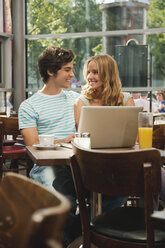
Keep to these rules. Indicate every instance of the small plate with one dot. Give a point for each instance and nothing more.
(42, 147)
(66, 145)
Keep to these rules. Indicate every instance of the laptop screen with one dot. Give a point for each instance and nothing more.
(110, 126)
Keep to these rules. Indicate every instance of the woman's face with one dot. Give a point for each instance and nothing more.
(159, 97)
(93, 76)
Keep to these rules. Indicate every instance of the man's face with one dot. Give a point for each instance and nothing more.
(64, 75)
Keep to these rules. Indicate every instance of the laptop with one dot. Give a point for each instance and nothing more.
(110, 126)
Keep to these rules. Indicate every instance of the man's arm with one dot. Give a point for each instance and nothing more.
(30, 136)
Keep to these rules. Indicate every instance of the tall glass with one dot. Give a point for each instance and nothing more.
(145, 129)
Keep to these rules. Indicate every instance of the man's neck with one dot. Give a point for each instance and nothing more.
(50, 89)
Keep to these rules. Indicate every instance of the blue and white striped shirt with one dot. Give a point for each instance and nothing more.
(51, 114)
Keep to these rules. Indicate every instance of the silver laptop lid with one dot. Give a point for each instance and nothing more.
(110, 126)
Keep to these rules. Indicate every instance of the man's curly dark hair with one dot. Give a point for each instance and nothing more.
(52, 59)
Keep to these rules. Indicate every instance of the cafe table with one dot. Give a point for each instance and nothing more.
(62, 155)
(55, 157)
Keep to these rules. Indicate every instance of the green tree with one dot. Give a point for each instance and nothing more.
(156, 19)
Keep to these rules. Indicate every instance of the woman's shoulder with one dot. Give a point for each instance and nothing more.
(84, 100)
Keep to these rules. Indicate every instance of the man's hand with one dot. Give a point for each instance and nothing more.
(30, 136)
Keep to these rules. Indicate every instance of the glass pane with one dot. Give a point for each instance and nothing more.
(6, 101)
(0, 66)
(71, 16)
(56, 16)
(82, 48)
(157, 48)
(134, 61)
(122, 15)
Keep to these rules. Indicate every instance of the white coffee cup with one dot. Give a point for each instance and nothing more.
(46, 139)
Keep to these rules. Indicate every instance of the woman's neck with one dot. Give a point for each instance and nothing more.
(96, 102)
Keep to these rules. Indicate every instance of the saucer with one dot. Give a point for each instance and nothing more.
(66, 145)
(42, 147)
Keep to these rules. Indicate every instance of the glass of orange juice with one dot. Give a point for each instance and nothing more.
(145, 129)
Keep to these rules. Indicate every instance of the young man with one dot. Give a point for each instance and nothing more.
(51, 111)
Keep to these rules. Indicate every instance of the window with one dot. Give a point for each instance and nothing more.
(91, 27)
(5, 54)
(0, 66)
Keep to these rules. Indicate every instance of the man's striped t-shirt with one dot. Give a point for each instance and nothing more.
(51, 114)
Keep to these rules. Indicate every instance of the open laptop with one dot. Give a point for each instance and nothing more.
(110, 126)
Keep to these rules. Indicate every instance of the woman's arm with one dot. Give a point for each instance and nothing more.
(77, 110)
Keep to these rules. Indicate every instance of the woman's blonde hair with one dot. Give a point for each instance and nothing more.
(109, 75)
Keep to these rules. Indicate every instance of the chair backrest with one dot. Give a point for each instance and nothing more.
(2, 113)
(1, 137)
(30, 214)
(118, 172)
(158, 220)
(10, 126)
(159, 136)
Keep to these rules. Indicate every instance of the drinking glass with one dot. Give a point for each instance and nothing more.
(145, 129)
(83, 139)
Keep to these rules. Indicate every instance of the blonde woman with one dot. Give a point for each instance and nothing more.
(103, 87)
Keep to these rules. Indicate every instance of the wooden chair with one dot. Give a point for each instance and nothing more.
(158, 220)
(3, 113)
(159, 136)
(12, 152)
(159, 118)
(118, 173)
(13, 114)
(31, 216)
